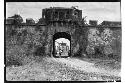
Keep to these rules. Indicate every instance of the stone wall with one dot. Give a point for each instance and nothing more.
(105, 42)
(84, 40)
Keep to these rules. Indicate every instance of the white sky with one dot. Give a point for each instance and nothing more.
(100, 11)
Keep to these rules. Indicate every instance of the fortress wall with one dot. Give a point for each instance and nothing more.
(81, 43)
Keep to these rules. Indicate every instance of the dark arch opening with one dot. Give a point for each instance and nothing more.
(61, 45)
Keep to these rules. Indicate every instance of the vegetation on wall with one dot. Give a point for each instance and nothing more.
(103, 43)
(25, 41)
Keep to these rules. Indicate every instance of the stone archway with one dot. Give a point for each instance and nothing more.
(61, 45)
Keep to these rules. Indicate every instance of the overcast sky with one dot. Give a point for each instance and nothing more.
(100, 11)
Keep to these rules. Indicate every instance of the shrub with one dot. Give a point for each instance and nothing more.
(101, 43)
(18, 61)
(15, 55)
(13, 60)
(90, 50)
(40, 51)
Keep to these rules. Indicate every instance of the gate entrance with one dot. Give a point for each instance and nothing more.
(61, 45)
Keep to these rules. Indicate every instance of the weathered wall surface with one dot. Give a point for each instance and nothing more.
(105, 43)
(41, 35)
(24, 41)
(90, 41)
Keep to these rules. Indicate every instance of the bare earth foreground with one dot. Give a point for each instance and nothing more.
(61, 69)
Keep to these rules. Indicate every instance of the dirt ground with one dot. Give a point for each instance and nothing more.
(62, 69)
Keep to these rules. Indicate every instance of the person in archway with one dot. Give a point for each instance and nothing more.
(59, 51)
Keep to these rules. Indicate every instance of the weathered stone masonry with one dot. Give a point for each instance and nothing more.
(69, 22)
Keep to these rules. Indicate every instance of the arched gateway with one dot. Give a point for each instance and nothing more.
(61, 45)
(61, 25)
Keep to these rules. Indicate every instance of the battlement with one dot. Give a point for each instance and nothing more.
(61, 14)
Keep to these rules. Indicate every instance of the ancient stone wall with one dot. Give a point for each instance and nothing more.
(84, 40)
(104, 43)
